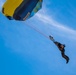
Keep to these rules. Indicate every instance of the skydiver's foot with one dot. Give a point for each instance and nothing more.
(67, 60)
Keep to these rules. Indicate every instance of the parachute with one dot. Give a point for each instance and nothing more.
(21, 9)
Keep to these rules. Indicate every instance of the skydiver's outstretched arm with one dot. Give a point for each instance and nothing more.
(51, 38)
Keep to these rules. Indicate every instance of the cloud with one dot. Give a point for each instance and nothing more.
(57, 26)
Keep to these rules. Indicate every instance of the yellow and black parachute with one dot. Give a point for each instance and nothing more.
(21, 9)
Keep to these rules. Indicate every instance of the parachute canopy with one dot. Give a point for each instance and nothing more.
(21, 9)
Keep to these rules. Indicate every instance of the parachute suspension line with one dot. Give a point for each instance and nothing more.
(33, 27)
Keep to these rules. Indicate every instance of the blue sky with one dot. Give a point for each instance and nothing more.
(24, 51)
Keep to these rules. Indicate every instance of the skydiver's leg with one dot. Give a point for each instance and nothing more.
(65, 56)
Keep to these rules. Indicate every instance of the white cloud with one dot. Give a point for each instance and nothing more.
(57, 26)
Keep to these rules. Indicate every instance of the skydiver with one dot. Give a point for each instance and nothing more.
(61, 48)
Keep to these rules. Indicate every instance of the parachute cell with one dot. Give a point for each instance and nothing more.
(21, 9)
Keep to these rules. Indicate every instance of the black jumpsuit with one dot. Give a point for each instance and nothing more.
(62, 51)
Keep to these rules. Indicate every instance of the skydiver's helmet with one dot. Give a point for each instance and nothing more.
(64, 45)
(61, 46)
